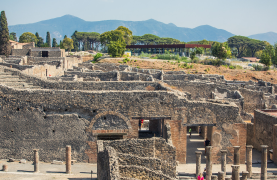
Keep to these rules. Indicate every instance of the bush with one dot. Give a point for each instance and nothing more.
(97, 56)
(126, 60)
(257, 67)
(232, 67)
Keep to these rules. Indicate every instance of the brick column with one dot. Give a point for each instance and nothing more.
(249, 160)
(235, 172)
(198, 162)
(214, 177)
(264, 162)
(223, 160)
(221, 175)
(68, 159)
(5, 168)
(236, 155)
(209, 162)
(36, 161)
(244, 175)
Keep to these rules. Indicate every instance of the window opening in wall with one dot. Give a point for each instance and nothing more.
(150, 128)
(109, 137)
(44, 53)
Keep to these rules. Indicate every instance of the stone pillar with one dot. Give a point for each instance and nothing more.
(236, 155)
(244, 175)
(36, 161)
(235, 172)
(264, 162)
(223, 160)
(221, 175)
(198, 162)
(68, 159)
(214, 177)
(5, 168)
(209, 163)
(249, 160)
(275, 144)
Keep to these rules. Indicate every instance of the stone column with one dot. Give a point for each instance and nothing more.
(223, 160)
(249, 160)
(235, 172)
(209, 163)
(5, 168)
(244, 175)
(221, 175)
(214, 177)
(198, 162)
(236, 155)
(68, 159)
(264, 162)
(36, 161)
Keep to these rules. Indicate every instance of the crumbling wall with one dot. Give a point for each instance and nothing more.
(142, 158)
(263, 129)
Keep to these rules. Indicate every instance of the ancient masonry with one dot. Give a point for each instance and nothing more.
(92, 102)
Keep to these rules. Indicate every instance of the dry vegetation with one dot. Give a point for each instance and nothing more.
(229, 74)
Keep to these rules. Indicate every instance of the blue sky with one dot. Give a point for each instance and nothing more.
(240, 17)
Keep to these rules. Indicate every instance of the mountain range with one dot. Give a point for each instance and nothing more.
(66, 25)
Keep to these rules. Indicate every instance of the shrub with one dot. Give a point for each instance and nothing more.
(126, 60)
(97, 56)
(257, 67)
(232, 67)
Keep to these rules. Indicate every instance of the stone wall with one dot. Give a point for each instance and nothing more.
(139, 159)
(263, 129)
(20, 52)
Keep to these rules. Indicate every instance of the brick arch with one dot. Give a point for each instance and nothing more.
(199, 115)
(106, 113)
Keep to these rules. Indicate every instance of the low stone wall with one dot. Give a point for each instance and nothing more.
(137, 158)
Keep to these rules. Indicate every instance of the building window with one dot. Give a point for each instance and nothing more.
(44, 53)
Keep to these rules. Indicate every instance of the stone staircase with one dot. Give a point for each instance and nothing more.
(13, 81)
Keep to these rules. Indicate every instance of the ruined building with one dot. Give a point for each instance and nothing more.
(88, 103)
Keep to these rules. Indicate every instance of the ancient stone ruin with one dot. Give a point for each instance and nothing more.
(88, 104)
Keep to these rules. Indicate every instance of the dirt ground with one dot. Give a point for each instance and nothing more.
(229, 74)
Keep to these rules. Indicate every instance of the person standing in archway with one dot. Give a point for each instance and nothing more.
(190, 132)
(207, 143)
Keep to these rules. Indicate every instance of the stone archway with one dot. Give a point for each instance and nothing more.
(110, 120)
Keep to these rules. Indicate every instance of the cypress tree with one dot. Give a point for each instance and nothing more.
(39, 40)
(75, 42)
(48, 39)
(5, 46)
(54, 42)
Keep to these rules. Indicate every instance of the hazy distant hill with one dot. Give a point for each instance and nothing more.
(270, 37)
(66, 25)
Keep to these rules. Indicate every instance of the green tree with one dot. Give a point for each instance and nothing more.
(116, 48)
(240, 43)
(39, 40)
(13, 36)
(127, 34)
(5, 46)
(27, 37)
(68, 44)
(221, 50)
(274, 58)
(48, 39)
(54, 42)
(268, 55)
(75, 41)
(255, 45)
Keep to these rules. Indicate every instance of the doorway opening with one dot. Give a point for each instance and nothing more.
(44, 53)
(195, 141)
